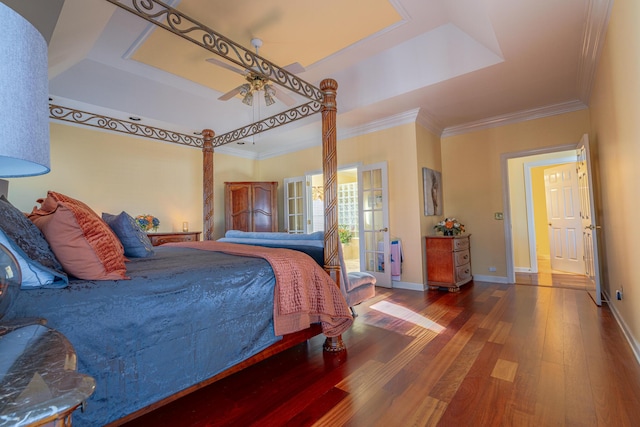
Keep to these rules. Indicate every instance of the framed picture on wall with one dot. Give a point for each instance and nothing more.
(432, 184)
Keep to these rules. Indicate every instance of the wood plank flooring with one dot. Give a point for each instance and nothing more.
(548, 277)
(490, 355)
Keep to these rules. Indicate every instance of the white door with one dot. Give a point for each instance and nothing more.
(295, 199)
(563, 217)
(375, 248)
(589, 224)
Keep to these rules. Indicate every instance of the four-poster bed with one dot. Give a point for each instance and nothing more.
(322, 100)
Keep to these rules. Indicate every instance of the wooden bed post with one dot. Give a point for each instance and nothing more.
(207, 184)
(330, 173)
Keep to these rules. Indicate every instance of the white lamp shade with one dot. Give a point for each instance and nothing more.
(24, 92)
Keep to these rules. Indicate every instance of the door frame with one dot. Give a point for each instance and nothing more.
(506, 198)
(533, 259)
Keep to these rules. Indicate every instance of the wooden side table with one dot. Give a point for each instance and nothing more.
(448, 262)
(158, 239)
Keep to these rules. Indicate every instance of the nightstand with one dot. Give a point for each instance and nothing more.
(158, 239)
(448, 262)
(39, 381)
(40, 384)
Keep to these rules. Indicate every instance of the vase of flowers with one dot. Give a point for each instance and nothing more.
(147, 222)
(449, 227)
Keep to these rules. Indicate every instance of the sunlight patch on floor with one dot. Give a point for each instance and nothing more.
(407, 315)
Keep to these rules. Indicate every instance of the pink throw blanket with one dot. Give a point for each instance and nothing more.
(304, 292)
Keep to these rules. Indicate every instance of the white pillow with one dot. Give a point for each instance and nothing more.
(33, 277)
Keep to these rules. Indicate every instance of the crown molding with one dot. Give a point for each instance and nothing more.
(236, 152)
(379, 124)
(519, 116)
(595, 29)
(428, 122)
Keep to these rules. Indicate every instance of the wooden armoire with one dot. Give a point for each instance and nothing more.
(251, 206)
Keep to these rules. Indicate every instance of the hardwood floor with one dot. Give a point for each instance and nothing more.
(490, 355)
(548, 277)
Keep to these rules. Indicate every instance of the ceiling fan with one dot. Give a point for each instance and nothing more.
(256, 82)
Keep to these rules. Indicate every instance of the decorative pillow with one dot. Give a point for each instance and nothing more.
(28, 237)
(135, 241)
(34, 275)
(83, 243)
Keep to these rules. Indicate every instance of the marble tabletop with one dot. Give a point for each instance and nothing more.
(38, 378)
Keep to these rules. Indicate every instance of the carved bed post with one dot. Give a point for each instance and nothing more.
(207, 184)
(329, 171)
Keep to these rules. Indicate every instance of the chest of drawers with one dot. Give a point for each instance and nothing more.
(448, 262)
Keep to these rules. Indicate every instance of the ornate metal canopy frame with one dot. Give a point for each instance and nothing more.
(131, 128)
(321, 100)
(164, 16)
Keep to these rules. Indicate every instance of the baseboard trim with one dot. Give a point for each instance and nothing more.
(635, 346)
(492, 279)
(409, 285)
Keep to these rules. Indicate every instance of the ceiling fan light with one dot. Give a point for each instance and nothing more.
(248, 99)
(244, 89)
(269, 89)
(268, 99)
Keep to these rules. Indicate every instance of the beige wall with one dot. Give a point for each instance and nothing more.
(472, 178)
(615, 109)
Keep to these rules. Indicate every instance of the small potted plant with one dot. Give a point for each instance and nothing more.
(345, 234)
(449, 227)
(147, 222)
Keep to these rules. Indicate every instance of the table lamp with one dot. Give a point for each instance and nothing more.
(24, 118)
(24, 87)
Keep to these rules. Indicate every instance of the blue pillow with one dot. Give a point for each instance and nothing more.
(136, 243)
(26, 236)
(34, 275)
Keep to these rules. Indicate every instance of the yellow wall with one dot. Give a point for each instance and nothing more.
(519, 217)
(396, 146)
(429, 156)
(112, 172)
(615, 109)
(472, 178)
(540, 212)
(226, 169)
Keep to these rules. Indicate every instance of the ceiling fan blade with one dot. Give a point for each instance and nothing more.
(295, 68)
(286, 99)
(233, 92)
(220, 63)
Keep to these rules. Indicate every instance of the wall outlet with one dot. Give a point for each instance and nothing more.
(499, 216)
(492, 269)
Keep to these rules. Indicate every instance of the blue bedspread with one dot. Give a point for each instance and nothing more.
(184, 316)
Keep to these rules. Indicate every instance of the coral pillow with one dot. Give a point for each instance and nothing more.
(83, 243)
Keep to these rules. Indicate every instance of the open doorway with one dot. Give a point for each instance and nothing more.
(348, 213)
(545, 220)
